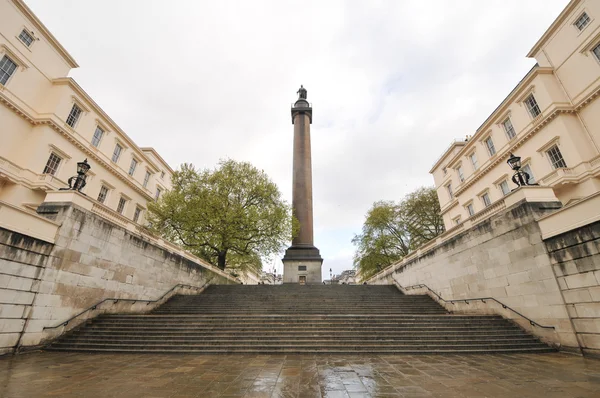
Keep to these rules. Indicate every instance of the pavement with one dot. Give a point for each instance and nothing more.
(57, 374)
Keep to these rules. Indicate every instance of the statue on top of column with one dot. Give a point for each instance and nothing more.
(301, 92)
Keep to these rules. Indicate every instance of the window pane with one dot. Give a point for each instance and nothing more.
(73, 115)
(146, 179)
(532, 106)
(582, 21)
(132, 166)
(449, 188)
(26, 38)
(490, 146)
(504, 187)
(158, 191)
(121, 205)
(7, 68)
(117, 153)
(103, 194)
(470, 209)
(474, 161)
(136, 215)
(52, 164)
(97, 136)
(556, 158)
(509, 129)
(461, 176)
(486, 199)
(596, 51)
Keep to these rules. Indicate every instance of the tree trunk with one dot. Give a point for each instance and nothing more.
(221, 262)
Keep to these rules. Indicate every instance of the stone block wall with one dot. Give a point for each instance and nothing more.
(22, 261)
(575, 256)
(43, 284)
(502, 257)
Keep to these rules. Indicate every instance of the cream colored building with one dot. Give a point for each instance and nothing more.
(551, 119)
(48, 123)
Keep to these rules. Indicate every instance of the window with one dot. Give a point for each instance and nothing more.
(7, 68)
(509, 129)
(449, 189)
(52, 164)
(532, 106)
(527, 169)
(461, 175)
(556, 158)
(490, 146)
(470, 209)
(158, 192)
(121, 205)
(103, 194)
(444, 170)
(473, 158)
(302, 268)
(582, 21)
(504, 187)
(456, 220)
(146, 178)
(162, 174)
(73, 115)
(485, 198)
(132, 166)
(97, 136)
(136, 215)
(596, 52)
(117, 153)
(26, 38)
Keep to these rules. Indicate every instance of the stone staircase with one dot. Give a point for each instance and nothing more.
(344, 319)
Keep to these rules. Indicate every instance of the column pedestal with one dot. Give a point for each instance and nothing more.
(302, 264)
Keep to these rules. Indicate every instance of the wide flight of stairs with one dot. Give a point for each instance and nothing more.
(345, 319)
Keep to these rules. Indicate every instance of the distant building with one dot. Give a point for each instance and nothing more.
(551, 119)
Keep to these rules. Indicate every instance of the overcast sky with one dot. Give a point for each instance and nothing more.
(392, 83)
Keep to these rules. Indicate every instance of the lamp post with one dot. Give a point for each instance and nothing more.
(520, 178)
(274, 275)
(330, 277)
(76, 183)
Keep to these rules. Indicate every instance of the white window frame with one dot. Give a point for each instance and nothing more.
(123, 200)
(596, 52)
(500, 187)
(75, 119)
(456, 220)
(105, 196)
(137, 213)
(508, 130)
(473, 160)
(553, 163)
(162, 175)
(146, 178)
(531, 108)
(490, 147)
(6, 72)
(28, 33)
(102, 132)
(460, 173)
(587, 21)
(58, 164)
(133, 166)
(118, 155)
(470, 209)
(488, 202)
(449, 190)
(159, 192)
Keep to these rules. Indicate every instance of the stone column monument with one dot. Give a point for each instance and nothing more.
(302, 261)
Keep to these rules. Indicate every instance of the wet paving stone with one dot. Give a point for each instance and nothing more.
(50, 374)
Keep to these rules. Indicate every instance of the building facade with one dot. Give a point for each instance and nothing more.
(48, 123)
(551, 119)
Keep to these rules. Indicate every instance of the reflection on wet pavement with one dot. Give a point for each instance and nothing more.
(119, 375)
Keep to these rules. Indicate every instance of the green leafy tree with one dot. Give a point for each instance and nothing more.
(392, 230)
(232, 215)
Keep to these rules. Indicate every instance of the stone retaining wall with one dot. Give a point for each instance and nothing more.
(575, 256)
(43, 284)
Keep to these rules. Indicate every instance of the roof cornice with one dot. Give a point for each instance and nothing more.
(160, 158)
(446, 153)
(42, 28)
(112, 124)
(553, 28)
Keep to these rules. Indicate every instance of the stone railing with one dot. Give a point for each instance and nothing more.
(28, 178)
(27, 223)
(572, 174)
(108, 214)
(529, 194)
(578, 214)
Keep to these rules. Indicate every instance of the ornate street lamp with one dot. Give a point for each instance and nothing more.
(520, 178)
(274, 275)
(77, 183)
(330, 277)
